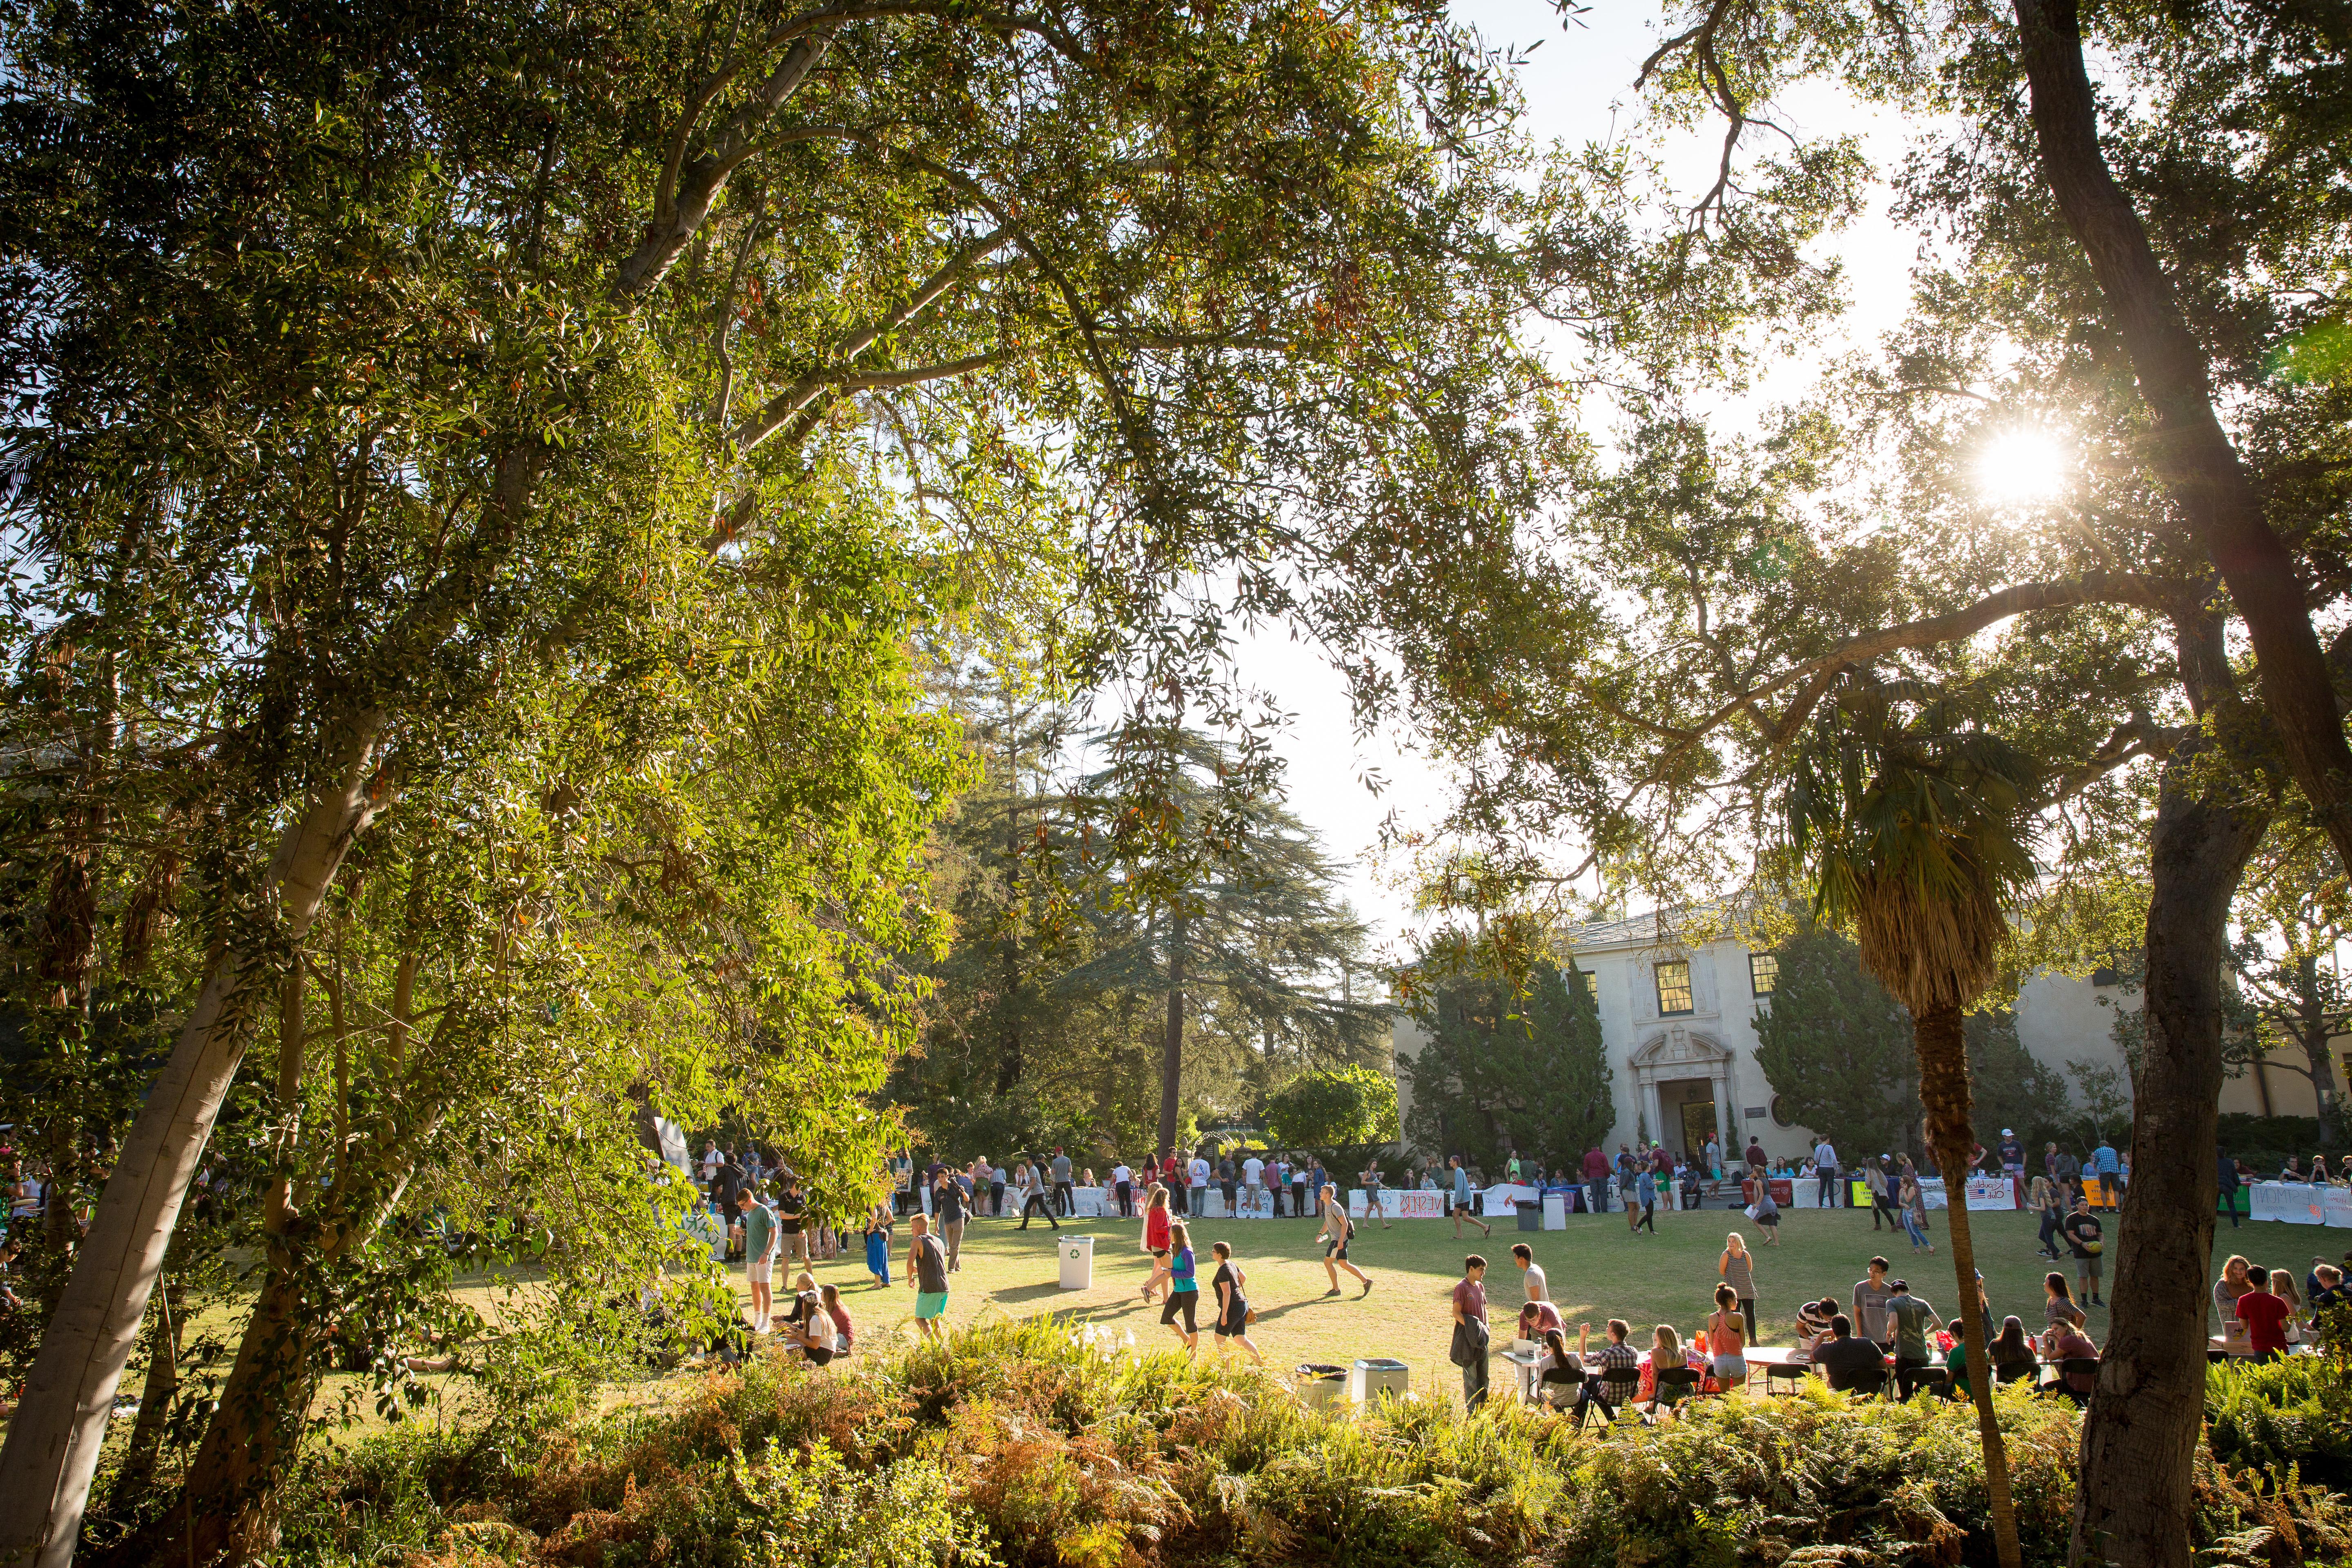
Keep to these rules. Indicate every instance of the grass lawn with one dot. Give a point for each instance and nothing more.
(1596, 1272)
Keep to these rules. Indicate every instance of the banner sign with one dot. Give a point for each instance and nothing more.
(2296, 1203)
(2335, 1207)
(1991, 1193)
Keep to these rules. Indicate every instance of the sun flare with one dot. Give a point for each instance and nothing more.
(2021, 466)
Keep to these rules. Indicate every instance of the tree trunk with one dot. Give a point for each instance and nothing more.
(2139, 1443)
(155, 1399)
(1171, 1046)
(53, 1442)
(1941, 1041)
(2192, 453)
(251, 1444)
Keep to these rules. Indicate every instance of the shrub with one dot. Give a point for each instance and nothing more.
(1031, 1445)
(2294, 1412)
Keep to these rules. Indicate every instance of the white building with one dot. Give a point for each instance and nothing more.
(1677, 1021)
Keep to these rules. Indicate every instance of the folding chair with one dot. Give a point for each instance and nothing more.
(1682, 1380)
(2018, 1371)
(1868, 1382)
(2077, 1366)
(1936, 1380)
(1794, 1374)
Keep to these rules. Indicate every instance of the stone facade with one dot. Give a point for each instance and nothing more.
(1682, 1040)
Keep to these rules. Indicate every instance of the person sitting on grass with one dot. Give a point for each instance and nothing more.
(1183, 1289)
(1232, 1307)
(1842, 1358)
(1336, 1231)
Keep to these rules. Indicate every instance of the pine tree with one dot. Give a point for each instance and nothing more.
(1836, 1047)
(1500, 1072)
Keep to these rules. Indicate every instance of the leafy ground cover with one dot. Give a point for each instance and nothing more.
(1040, 1442)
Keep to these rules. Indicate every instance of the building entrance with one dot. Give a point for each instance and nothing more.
(1698, 1124)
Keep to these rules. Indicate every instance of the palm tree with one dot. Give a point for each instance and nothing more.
(1910, 818)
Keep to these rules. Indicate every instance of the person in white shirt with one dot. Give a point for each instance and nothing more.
(1122, 1181)
(1252, 1180)
(1524, 1255)
(711, 1160)
(1825, 1170)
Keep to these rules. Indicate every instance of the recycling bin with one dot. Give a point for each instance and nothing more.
(1077, 1262)
(1374, 1376)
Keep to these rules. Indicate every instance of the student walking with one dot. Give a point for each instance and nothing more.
(2042, 1196)
(927, 1275)
(1461, 1200)
(1033, 1198)
(1232, 1307)
(948, 1205)
(1738, 1269)
(1645, 1188)
(1337, 1230)
(1912, 1204)
(1184, 1287)
(1472, 1341)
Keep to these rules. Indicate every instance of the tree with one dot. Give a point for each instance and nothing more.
(367, 375)
(1912, 825)
(1505, 1069)
(1836, 1047)
(2288, 979)
(2012, 1087)
(1334, 1109)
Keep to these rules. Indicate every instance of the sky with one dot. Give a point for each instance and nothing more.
(1577, 86)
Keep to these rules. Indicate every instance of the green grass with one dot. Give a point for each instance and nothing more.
(1596, 1272)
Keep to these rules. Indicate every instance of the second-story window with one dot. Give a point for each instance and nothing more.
(1674, 988)
(1763, 974)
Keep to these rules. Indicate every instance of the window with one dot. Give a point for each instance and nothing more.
(1781, 1117)
(1674, 988)
(1763, 974)
(1592, 987)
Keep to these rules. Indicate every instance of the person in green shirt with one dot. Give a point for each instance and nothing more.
(1910, 1319)
(758, 1254)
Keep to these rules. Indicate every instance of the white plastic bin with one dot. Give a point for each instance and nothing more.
(1370, 1378)
(1319, 1385)
(1555, 1211)
(1077, 1262)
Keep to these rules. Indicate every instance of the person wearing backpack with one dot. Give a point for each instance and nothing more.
(1336, 1231)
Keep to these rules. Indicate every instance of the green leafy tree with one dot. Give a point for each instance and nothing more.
(2013, 1088)
(1836, 1046)
(1332, 1108)
(1501, 1071)
(377, 377)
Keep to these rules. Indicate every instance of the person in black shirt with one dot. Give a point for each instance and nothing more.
(792, 1212)
(1841, 1356)
(948, 1207)
(2082, 1232)
(1232, 1307)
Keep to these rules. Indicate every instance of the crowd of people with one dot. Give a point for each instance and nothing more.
(1882, 1333)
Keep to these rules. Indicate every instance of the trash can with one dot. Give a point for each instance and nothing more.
(1531, 1214)
(1376, 1376)
(1319, 1383)
(1077, 1262)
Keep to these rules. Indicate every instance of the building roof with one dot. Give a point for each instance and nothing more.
(1677, 925)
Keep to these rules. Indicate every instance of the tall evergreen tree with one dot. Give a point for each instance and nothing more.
(1836, 1046)
(1501, 1071)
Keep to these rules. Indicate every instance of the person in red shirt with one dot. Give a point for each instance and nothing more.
(1596, 1180)
(2264, 1316)
(1170, 1178)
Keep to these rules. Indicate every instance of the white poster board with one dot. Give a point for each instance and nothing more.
(1931, 1192)
(2335, 1207)
(1505, 1197)
(1991, 1193)
(2296, 1203)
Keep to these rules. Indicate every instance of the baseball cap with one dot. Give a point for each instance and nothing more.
(2007, 1132)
